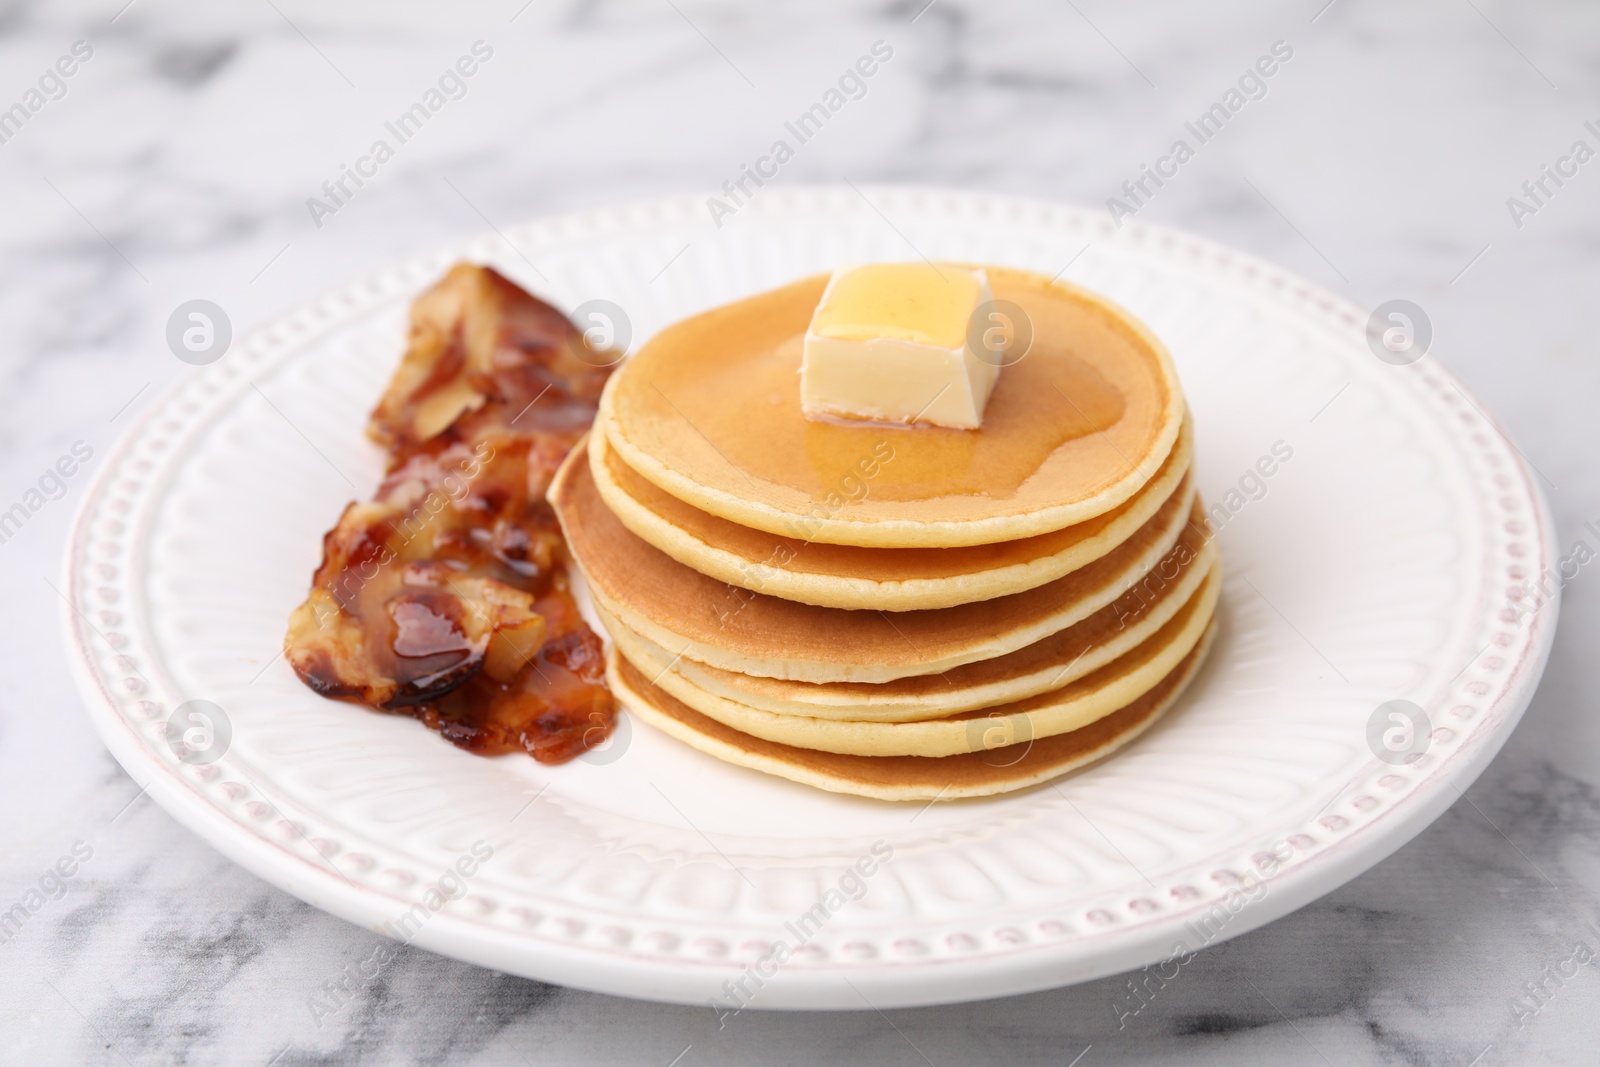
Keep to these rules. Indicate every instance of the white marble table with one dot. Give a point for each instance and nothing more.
(177, 162)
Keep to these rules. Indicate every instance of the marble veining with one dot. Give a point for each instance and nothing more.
(178, 163)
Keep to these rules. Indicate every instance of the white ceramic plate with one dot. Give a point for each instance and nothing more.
(1375, 565)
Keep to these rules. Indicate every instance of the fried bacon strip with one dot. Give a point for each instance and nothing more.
(445, 597)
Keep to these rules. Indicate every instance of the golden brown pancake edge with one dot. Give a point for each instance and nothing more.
(908, 778)
(752, 633)
(848, 576)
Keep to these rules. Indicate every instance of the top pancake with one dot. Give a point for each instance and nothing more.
(709, 411)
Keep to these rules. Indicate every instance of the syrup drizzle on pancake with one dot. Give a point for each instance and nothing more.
(709, 410)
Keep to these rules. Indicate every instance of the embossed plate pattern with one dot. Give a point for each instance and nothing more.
(1373, 564)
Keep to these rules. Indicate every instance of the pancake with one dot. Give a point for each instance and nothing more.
(846, 576)
(906, 778)
(753, 633)
(1044, 665)
(709, 411)
(1058, 711)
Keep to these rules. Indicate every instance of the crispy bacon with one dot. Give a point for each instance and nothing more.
(445, 598)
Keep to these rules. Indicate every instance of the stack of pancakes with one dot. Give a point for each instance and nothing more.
(896, 612)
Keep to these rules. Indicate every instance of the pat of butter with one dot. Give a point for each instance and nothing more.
(889, 343)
